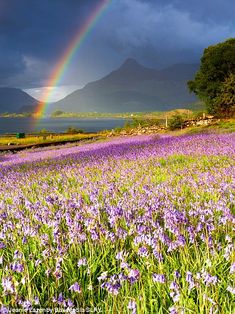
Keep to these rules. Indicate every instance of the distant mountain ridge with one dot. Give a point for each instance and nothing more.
(14, 100)
(133, 87)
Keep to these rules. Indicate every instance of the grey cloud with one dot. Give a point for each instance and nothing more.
(166, 29)
(35, 33)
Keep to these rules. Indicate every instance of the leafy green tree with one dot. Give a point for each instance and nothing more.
(216, 78)
(225, 101)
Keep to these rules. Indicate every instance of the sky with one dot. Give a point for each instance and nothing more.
(157, 33)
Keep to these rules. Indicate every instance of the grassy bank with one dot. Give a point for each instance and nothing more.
(45, 138)
(222, 126)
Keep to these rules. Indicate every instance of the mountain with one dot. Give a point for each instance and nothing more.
(133, 87)
(14, 100)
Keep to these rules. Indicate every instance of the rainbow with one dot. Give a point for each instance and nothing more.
(68, 54)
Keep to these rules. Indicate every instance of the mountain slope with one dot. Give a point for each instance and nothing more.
(14, 100)
(133, 87)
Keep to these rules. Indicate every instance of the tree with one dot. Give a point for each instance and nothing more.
(214, 82)
(225, 101)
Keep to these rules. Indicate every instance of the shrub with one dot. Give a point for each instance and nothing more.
(44, 131)
(176, 122)
(72, 130)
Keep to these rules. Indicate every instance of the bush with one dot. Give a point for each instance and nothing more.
(118, 129)
(176, 122)
(147, 122)
(57, 113)
(72, 130)
(44, 131)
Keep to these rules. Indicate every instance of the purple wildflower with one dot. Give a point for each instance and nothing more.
(132, 306)
(76, 288)
(177, 274)
(232, 268)
(158, 255)
(8, 286)
(2, 245)
(190, 280)
(122, 277)
(17, 255)
(17, 267)
(209, 279)
(175, 295)
(36, 301)
(27, 305)
(159, 278)
(60, 299)
(189, 276)
(70, 303)
(174, 286)
(133, 275)
(181, 240)
(103, 276)
(143, 252)
(173, 310)
(113, 288)
(231, 289)
(38, 262)
(124, 265)
(121, 255)
(47, 272)
(57, 273)
(4, 310)
(82, 262)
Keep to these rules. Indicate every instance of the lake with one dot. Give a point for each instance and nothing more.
(58, 125)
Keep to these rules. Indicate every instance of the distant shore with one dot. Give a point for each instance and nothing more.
(101, 115)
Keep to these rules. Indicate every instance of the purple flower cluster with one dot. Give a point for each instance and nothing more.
(106, 220)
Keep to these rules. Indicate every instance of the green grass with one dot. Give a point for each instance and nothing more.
(222, 126)
(169, 175)
(46, 138)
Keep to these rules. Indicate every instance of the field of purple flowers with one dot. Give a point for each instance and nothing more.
(132, 225)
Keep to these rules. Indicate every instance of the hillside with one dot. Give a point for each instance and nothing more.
(15, 100)
(133, 87)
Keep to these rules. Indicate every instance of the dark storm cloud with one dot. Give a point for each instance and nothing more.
(34, 34)
(37, 26)
(220, 11)
(163, 32)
